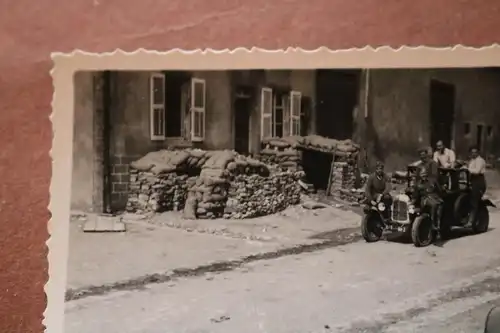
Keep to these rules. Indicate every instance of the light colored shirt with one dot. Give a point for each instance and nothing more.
(477, 166)
(446, 159)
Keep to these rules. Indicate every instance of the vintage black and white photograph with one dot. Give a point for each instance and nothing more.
(284, 201)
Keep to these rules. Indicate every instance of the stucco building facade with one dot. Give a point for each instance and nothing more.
(120, 116)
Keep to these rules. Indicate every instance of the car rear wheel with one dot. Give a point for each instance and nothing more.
(461, 208)
(422, 231)
(371, 228)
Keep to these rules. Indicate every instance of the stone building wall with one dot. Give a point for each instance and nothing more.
(399, 116)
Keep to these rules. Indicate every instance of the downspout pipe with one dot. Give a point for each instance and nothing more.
(107, 188)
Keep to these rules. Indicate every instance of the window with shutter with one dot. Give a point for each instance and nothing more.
(198, 108)
(266, 113)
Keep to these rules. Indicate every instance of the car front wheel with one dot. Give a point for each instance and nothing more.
(371, 228)
(422, 231)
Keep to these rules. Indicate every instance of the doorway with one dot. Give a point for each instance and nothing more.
(442, 112)
(242, 111)
(336, 96)
(317, 167)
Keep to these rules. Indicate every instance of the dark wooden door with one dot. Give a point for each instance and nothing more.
(242, 107)
(336, 98)
(442, 112)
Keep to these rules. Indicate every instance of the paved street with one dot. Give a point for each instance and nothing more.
(359, 287)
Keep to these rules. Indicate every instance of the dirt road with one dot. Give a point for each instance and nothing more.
(359, 287)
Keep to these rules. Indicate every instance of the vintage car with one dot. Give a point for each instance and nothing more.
(402, 217)
(406, 216)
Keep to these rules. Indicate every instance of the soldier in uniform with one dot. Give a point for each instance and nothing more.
(428, 189)
(378, 183)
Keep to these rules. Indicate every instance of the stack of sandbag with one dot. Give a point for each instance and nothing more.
(197, 158)
(282, 152)
(159, 181)
(209, 194)
(200, 183)
(345, 149)
(162, 161)
(244, 165)
(256, 195)
(288, 159)
(207, 197)
(149, 192)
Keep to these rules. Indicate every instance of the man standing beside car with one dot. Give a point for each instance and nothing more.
(477, 168)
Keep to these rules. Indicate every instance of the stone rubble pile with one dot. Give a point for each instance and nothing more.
(255, 195)
(157, 193)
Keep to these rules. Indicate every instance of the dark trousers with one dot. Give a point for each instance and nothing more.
(478, 187)
(433, 204)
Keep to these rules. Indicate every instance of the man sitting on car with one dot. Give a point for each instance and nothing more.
(378, 183)
(444, 157)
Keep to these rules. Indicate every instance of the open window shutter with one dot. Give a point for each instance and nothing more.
(286, 116)
(198, 108)
(157, 106)
(295, 104)
(266, 113)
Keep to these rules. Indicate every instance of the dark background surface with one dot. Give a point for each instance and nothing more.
(31, 30)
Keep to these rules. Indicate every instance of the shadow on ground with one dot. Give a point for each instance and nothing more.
(455, 234)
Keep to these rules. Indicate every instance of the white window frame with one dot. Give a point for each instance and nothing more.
(295, 114)
(198, 109)
(153, 107)
(266, 115)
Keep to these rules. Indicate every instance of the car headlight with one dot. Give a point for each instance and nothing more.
(411, 209)
(381, 206)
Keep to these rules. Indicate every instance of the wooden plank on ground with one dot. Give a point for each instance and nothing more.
(104, 223)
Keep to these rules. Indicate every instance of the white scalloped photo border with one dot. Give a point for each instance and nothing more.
(66, 64)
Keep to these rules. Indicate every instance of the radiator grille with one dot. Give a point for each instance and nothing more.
(399, 211)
